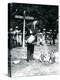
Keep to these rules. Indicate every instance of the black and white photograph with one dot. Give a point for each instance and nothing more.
(33, 39)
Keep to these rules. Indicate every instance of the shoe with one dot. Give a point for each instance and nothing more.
(27, 60)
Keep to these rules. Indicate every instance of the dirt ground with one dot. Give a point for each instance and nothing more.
(33, 68)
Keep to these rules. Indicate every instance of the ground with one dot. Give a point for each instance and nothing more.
(33, 68)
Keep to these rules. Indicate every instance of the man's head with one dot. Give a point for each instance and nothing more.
(36, 24)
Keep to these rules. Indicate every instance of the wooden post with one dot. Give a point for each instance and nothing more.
(24, 31)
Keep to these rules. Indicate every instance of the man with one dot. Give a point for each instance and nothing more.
(54, 34)
(50, 37)
(30, 41)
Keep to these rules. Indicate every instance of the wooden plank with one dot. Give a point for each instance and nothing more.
(21, 17)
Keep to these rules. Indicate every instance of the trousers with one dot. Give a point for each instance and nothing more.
(30, 51)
